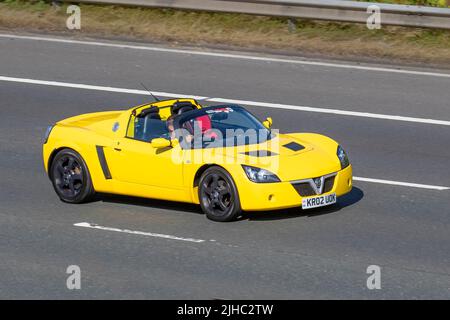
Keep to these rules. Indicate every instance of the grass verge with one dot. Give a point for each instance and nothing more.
(314, 38)
(429, 3)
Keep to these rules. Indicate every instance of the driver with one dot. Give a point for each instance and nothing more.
(172, 134)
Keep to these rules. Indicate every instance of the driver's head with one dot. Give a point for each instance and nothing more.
(170, 126)
(169, 123)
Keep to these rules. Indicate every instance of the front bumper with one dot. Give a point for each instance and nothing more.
(281, 195)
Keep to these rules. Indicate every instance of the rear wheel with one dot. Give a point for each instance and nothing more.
(218, 195)
(70, 177)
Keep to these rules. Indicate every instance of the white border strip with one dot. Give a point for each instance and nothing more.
(140, 233)
(221, 100)
(228, 55)
(404, 184)
(332, 111)
(98, 88)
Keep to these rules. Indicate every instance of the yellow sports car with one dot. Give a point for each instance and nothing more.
(220, 157)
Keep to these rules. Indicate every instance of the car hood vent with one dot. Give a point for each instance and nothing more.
(294, 146)
(260, 153)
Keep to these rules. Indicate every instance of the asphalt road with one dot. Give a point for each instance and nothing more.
(289, 254)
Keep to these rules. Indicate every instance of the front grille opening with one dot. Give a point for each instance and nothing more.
(304, 189)
(328, 184)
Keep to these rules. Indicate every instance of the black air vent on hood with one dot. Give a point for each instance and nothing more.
(260, 153)
(294, 146)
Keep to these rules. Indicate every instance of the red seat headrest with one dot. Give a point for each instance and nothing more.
(204, 122)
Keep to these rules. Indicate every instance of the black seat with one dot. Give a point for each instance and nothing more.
(182, 106)
(154, 128)
(149, 125)
(153, 112)
(155, 116)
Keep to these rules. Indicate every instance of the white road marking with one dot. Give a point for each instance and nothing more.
(332, 111)
(97, 88)
(221, 100)
(252, 103)
(404, 184)
(140, 233)
(230, 56)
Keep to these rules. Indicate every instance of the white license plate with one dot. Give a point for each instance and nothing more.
(319, 201)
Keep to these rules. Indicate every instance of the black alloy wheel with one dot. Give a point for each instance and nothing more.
(70, 177)
(218, 195)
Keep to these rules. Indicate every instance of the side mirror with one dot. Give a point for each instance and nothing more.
(159, 143)
(267, 123)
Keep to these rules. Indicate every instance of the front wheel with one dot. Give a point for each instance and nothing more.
(218, 195)
(70, 177)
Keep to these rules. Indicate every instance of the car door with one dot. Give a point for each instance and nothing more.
(138, 162)
(152, 172)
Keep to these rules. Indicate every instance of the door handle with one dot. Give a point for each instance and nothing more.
(117, 149)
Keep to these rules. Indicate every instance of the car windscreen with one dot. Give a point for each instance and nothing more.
(222, 126)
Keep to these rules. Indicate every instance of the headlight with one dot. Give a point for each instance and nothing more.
(260, 175)
(47, 133)
(342, 157)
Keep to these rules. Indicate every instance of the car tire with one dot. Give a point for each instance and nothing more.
(218, 195)
(70, 177)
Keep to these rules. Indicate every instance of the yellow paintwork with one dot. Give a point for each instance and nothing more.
(268, 122)
(139, 169)
(159, 143)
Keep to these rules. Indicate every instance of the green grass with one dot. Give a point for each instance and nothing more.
(430, 3)
(238, 30)
(38, 5)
